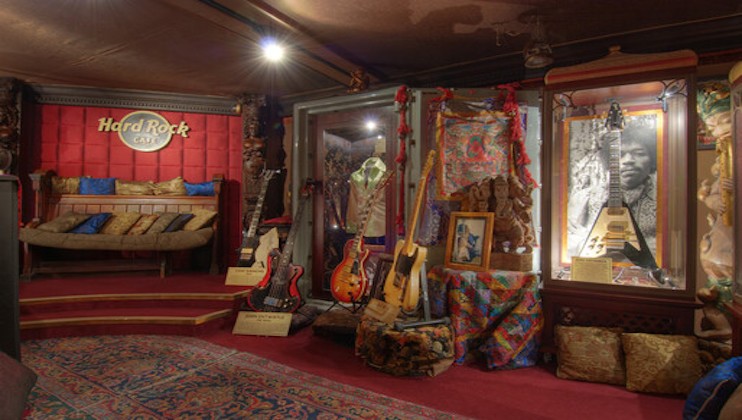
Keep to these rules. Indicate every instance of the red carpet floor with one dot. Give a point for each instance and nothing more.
(470, 390)
(529, 393)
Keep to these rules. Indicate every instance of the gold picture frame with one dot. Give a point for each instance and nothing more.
(469, 240)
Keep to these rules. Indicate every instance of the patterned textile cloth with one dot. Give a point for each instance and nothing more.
(495, 313)
(425, 350)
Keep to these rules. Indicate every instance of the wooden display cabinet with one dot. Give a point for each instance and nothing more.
(618, 195)
(735, 307)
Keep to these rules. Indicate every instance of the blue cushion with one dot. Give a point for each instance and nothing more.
(97, 186)
(179, 222)
(93, 224)
(203, 188)
(712, 391)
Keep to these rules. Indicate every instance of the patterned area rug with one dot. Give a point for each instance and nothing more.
(174, 377)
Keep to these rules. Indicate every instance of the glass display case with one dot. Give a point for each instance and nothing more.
(619, 192)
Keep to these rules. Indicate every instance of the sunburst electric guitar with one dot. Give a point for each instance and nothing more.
(349, 281)
(278, 292)
(615, 233)
(250, 240)
(402, 283)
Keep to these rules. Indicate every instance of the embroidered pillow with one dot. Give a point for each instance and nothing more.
(590, 354)
(64, 222)
(665, 364)
(175, 186)
(162, 222)
(143, 224)
(64, 185)
(709, 394)
(97, 186)
(135, 187)
(93, 224)
(119, 223)
(203, 188)
(201, 219)
(179, 222)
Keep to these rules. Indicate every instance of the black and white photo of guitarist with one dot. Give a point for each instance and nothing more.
(638, 173)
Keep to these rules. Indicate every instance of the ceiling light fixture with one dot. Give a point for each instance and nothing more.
(273, 51)
(537, 51)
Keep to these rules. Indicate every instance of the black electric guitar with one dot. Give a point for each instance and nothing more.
(402, 283)
(277, 292)
(615, 233)
(250, 240)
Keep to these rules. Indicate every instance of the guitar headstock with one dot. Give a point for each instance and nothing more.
(269, 173)
(614, 120)
(308, 188)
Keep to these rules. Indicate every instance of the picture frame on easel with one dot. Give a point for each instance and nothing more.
(469, 241)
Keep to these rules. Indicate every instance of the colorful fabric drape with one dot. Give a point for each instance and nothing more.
(493, 313)
(471, 146)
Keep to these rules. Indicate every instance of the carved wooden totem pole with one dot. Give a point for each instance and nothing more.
(9, 126)
(253, 151)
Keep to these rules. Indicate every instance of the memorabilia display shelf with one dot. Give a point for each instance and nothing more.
(619, 194)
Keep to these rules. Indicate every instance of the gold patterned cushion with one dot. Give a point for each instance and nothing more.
(65, 185)
(175, 186)
(119, 223)
(667, 364)
(135, 187)
(590, 354)
(201, 219)
(64, 222)
(144, 223)
(162, 222)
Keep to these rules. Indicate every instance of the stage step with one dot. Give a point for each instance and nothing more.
(92, 305)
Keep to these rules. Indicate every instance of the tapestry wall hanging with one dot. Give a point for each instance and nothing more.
(471, 147)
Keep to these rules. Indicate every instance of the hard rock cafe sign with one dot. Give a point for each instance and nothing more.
(145, 131)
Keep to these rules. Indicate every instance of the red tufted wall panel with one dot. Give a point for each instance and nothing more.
(68, 141)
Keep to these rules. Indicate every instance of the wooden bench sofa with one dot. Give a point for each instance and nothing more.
(159, 246)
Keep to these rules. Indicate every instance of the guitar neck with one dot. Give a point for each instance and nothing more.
(258, 208)
(422, 186)
(366, 214)
(288, 247)
(615, 195)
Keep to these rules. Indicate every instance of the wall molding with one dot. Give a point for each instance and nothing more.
(132, 99)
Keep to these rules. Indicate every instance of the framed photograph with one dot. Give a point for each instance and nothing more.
(590, 161)
(469, 240)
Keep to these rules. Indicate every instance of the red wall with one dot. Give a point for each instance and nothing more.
(66, 139)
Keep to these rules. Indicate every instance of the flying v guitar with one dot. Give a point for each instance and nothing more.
(615, 233)
(277, 292)
(402, 284)
(349, 281)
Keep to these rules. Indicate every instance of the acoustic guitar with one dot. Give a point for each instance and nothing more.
(349, 281)
(615, 233)
(250, 240)
(278, 292)
(402, 283)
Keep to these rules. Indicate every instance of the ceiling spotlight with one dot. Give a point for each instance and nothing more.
(273, 51)
(370, 125)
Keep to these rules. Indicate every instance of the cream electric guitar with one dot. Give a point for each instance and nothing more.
(615, 233)
(349, 282)
(402, 284)
(250, 241)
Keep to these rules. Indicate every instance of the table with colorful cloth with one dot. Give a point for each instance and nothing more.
(495, 314)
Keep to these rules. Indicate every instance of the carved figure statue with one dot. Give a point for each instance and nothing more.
(717, 245)
(512, 208)
(358, 81)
